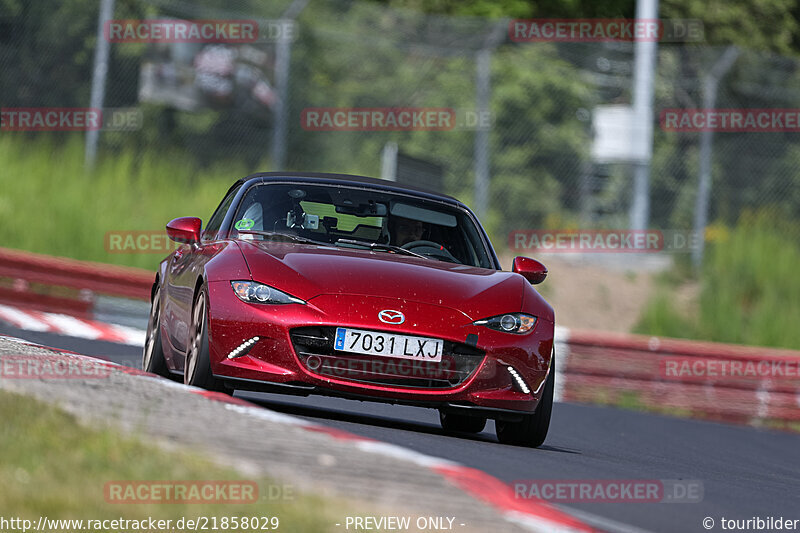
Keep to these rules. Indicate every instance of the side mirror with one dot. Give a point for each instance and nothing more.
(184, 229)
(530, 269)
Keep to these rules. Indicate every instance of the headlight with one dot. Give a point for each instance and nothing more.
(511, 323)
(253, 292)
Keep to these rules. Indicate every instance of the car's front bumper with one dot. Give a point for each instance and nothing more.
(273, 364)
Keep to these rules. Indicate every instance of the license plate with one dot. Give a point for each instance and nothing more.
(388, 345)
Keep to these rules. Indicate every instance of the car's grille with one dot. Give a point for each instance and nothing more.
(314, 347)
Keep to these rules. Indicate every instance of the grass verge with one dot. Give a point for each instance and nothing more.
(750, 290)
(50, 204)
(56, 468)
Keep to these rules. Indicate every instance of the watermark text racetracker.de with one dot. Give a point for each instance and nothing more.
(610, 490)
(194, 492)
(62, 366)
(731, 120)
(602, 241)
(227, 31)
(70, 119)
(606, 30)
(445, 369)
(394, 119)
(696, 368)
(139, 242)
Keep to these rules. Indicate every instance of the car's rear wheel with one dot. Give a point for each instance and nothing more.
(461, 423)
(197, 370)
(532, 429)
(153, 360)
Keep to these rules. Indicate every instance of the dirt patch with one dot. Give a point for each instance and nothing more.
(594, 295)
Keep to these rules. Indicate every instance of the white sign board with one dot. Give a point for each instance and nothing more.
(619, 136)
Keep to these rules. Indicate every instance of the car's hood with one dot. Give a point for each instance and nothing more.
(307, 271)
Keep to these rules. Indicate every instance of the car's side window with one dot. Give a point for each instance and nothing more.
(215, 222)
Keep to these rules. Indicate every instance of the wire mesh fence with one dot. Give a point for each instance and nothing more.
(517, 141)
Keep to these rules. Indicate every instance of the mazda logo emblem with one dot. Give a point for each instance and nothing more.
(390, 316)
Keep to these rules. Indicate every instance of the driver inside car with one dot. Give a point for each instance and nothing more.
(271, 214)
(405, 230)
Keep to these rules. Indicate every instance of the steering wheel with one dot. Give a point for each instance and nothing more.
(431, 248)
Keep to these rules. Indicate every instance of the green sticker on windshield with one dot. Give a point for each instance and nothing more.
(245, 223)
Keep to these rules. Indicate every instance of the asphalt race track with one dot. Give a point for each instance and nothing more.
(745, 472)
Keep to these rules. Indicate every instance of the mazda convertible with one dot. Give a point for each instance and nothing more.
(359, 288)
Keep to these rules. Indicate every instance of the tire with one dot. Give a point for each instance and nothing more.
(532, 429)
(197, 370)
(461, 423)
(153, 360)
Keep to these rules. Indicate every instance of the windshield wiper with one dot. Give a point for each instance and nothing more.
(381, 247)
(279, 235)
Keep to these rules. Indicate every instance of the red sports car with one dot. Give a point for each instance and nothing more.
(355, 287)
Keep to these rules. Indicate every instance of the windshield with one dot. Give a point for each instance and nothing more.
(362, 218)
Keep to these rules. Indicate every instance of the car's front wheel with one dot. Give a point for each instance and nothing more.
(461, 423)
(153, 360)
(532, 429)
(197, 370)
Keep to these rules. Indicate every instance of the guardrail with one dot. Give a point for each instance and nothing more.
(713, 381)
(58, 284)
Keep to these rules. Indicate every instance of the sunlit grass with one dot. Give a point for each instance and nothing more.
(750, 289)
(50, 204)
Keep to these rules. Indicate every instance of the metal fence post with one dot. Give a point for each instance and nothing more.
(283, 58)
(483, 71)
(99, 73)
(644, 72)
(710, 86)
(483, 82)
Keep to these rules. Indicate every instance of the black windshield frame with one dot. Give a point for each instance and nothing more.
(487, 257)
